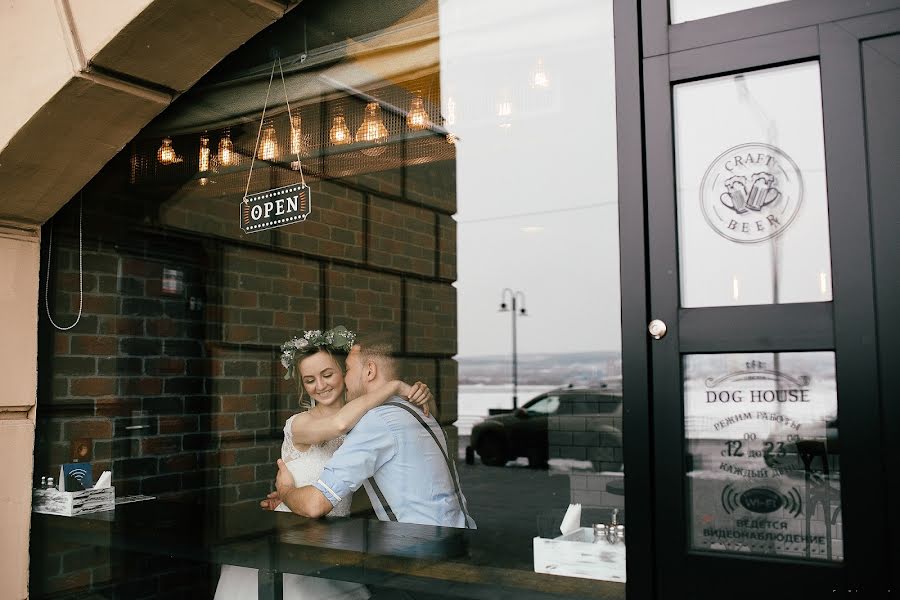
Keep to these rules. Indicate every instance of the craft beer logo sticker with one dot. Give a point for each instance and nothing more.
(275, 208)
(751, 193)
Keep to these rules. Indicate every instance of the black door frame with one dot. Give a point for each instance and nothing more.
(652, 56)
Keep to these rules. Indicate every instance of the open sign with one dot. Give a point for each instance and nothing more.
(275, 208)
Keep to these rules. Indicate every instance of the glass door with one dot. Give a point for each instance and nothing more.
(764, 470)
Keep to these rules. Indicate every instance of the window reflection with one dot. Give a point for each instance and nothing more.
(443, 164)
(763, 454)
(751, 189)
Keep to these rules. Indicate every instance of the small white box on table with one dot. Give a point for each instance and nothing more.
(69, 504)
(576, 555)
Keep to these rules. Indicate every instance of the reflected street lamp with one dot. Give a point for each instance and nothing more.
(516, 310)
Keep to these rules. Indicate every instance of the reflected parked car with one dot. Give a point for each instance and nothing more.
(566, 423)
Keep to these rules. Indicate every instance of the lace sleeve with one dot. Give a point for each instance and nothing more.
(288, 451)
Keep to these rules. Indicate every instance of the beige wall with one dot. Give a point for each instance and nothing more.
(20, 252)
(40, 57)
(81, 78)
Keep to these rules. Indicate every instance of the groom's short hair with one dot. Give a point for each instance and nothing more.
(379, 349)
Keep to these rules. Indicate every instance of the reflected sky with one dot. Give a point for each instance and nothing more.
(529, 89)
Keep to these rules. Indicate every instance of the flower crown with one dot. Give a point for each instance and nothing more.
(339, 339)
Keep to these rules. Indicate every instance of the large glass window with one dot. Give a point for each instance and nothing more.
(439, 176)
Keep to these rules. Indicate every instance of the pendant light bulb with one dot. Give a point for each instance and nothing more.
(268, 145)
(539, 78)
(504, 112)
(203, 159)
(339, 133)
(166, 153)
(372, 129)
(298, 142)
(226, 150)
(417, 118)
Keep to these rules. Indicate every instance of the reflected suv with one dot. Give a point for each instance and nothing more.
(566, 423)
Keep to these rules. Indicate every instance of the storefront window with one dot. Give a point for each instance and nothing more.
(440, 177)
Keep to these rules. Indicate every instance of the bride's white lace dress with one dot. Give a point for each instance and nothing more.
(241, 583)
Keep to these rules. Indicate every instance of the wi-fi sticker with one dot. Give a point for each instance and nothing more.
(761, 500)
(730, 499)
(77, 475)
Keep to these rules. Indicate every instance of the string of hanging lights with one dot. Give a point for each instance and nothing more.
(371, 137)
(392, 114)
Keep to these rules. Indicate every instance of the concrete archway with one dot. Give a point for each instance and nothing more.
(81, 79)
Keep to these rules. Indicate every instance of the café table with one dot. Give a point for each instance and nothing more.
(410, 557)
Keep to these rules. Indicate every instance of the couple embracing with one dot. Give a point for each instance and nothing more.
(360, 428)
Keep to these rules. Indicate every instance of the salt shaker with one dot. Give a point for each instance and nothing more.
(599, 532)
(620, 533)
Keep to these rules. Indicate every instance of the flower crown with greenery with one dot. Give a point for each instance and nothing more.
(339, 339)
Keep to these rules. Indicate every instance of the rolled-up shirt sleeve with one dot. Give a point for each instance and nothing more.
(368, 446)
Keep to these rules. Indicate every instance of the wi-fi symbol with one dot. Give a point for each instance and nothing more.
(78, 474)
(730, 499)
(792, 501)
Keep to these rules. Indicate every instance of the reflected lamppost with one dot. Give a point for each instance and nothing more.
(516, 311)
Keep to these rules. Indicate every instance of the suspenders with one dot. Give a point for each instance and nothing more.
(450, 467)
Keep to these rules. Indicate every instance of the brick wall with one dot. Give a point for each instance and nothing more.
(181, 392)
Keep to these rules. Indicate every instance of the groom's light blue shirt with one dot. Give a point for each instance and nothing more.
(412, 480)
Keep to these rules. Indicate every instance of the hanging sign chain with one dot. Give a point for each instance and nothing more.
(80, 270)
(281, 206)
(259, 133)
(276, 62)
(291, 121)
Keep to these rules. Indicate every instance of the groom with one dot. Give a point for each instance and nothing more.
(395, 451)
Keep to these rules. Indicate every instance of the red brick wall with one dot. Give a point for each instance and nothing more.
(184, 399)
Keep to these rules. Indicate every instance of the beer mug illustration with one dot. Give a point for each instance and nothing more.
(762, 192)
(736, 196)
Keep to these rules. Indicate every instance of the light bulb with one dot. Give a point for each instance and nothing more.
(268, 145)
(203, 160)
(372, 129)
(340, 133)
(298, 142)
(417, 118)
(166, 153)
(504, 111)
(226, 150)
(450, 119)
(539, 78)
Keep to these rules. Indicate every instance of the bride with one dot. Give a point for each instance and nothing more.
(311, 437)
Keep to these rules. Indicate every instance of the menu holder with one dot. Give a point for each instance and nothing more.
(69, 504)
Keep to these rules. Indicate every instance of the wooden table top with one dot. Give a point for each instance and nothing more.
(403, 555)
